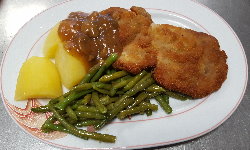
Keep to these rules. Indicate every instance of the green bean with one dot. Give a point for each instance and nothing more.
(121, 79)
(83, 101)
(74, 106)
(51, 119)
(145, 82)
(83, 108)
(86, 99)
(110, 71)
(110, 106)
(91, 73)
(98, 103)
(148, 111)
(135, 79)
(102, 85)
(108, 62)
(150, 106)
(177, 95)
(56, 127)
(135, 110)
(82, 87)
(40, 109)
(70, 120)
(153, 95)
(106, 101)
(88, 122)
(82, 133)
(124, 104)
(121, 84)
(113, 76)
(165, 106)
(71, 113)
(119, 92)
(82, 119)
(120, 100)
(142, 96)
(55, 100)
(103, 91)
(73, 96)
(166, 98)
(48, 126)
(155, 88)
(118, 85)
(90, 115)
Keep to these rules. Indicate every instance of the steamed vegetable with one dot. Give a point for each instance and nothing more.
(101, 96)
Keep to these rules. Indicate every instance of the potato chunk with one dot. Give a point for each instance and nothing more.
(38, 78)
(71, 69)
(51, 42)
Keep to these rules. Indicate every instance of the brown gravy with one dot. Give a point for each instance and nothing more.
(91, 38)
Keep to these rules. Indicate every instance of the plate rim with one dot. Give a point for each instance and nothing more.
(134, 146)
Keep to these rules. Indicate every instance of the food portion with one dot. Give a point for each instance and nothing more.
(182, 60)
(103, 95)
(131, 22)
(90, 38)
(137, 55)
(38, 78)
(189, 62)
(132, 60)
(51, 43)
(70, 68)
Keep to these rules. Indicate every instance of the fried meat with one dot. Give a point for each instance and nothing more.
(131, 22)
(137, 55)
(188, 62)
(133, 29)
(182, 60)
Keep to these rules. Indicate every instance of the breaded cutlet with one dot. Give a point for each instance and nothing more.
(189, 62)
(138, 55)
(131, 22)
(182, 60)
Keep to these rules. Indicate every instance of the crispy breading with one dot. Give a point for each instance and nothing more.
(188, 62)
(130, 22)
(137, 55)
(133, 27)
(183, 60)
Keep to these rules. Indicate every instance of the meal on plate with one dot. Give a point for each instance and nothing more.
(114, 62)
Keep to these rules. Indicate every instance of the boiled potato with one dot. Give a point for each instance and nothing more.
(51, 42)
(38, 78)
(71, 69)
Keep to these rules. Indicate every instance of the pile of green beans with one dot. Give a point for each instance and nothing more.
(103, 95)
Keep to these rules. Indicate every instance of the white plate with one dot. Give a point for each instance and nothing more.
(190, 119)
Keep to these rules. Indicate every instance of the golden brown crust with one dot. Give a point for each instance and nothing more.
(184, 60)
(130, 22)
(187, 61)
(138, 55)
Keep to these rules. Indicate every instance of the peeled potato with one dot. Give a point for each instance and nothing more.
(71, 69)
(38, 78)
(51, 42)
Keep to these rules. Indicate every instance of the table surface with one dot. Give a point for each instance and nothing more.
(232, 134)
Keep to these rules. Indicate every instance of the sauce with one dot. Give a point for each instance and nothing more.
(90, 38)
